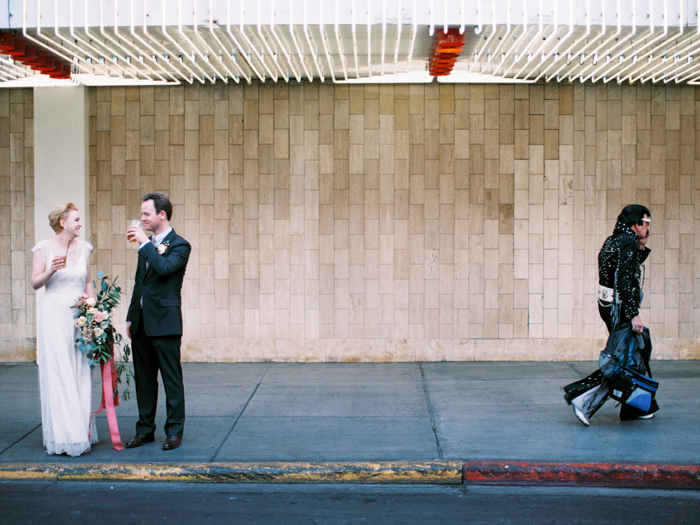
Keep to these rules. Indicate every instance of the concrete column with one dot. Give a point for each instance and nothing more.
(61, 161)
(61, 157)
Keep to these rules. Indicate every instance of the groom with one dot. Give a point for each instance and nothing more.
(154, 321)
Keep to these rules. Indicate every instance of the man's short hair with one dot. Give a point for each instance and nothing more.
(633, 214)
(160, 203)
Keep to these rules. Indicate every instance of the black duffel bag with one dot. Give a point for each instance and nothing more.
(625, 362)
(635, 389)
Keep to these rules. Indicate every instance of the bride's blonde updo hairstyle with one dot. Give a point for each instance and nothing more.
(60, 213)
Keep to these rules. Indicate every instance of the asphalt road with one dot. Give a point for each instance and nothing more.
(93, 503)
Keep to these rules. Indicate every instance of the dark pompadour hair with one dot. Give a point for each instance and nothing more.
(160, 202)
(632, 214)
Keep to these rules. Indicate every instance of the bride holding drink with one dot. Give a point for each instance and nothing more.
(61, 265)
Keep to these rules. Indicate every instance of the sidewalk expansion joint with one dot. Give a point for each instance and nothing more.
(213, 457)
(8, 447)
(431, 413)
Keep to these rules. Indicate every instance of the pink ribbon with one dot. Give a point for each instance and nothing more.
(110, 399)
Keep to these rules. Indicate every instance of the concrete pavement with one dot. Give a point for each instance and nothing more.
(478, 422)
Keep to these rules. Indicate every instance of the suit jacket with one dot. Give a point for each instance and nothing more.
(160, 286)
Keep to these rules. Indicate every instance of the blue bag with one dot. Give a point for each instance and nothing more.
(635, 389)
(622, 362)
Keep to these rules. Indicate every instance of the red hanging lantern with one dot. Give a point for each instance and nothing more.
(7, 42)
(17, 49)
(28, 56)
(65, 75)
(48, 65)
(39, 60)
(57, 70)
(445, 52)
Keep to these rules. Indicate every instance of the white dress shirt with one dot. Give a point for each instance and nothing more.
(157, 239)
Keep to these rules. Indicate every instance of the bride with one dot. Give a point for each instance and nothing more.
(62, 265)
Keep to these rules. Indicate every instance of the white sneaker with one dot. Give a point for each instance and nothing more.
(636, 418)
(581, 417)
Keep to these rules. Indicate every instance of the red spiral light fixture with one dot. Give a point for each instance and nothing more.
(34, 58)
(445, 52)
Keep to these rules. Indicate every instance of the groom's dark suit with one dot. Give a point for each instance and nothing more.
(155, 314)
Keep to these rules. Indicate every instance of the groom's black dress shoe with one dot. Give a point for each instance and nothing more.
(172, 443)
(139, 440)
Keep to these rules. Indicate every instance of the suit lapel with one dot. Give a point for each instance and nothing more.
(141, 265)
(169, 238)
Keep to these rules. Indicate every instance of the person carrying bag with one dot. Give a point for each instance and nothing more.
(625, 362)
(620, 274)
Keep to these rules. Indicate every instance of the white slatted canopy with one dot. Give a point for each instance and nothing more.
(122, 42)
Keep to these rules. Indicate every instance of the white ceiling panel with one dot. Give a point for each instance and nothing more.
(208, 41)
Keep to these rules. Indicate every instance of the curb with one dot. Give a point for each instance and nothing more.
(613, 475)
(441, 472)
(603, 475)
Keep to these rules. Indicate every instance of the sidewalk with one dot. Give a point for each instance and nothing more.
(477, 422)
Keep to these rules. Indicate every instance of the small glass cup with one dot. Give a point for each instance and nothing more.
(62, 258)
(137, 223)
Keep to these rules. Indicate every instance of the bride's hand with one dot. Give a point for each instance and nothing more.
(58, 263)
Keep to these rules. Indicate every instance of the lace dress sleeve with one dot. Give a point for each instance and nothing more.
(44, 247)
(86, 247)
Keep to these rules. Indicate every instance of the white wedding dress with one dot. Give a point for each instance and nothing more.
(64, 372)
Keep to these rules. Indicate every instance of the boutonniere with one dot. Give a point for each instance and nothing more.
(163, 247)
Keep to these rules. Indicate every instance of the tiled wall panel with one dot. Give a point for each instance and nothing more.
(17, 299)
(408, 221)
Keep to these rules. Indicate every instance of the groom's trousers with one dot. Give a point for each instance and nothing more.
(151, 354)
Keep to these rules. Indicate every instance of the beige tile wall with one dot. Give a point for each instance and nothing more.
(17, 299)
(397, 222)
(403, 221)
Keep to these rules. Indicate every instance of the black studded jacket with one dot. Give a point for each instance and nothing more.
(620, 255)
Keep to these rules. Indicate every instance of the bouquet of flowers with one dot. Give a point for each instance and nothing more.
(98, 337)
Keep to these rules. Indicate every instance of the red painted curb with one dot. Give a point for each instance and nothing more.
(621, 475)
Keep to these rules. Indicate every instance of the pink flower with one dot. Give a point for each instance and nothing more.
(100, 316)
